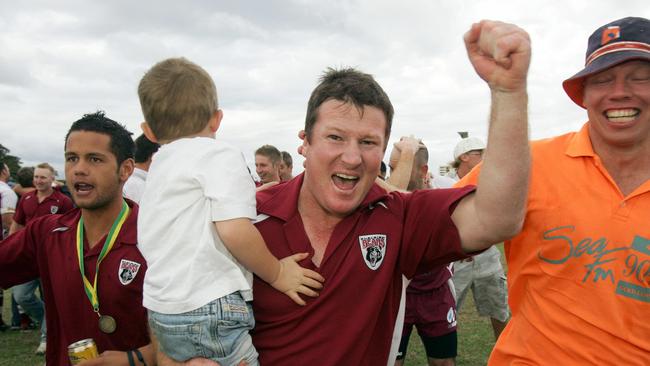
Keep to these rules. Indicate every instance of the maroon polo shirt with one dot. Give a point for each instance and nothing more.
(29, 208)
(351, 322)
(46, 248)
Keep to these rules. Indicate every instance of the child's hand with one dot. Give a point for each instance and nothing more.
(293, 279)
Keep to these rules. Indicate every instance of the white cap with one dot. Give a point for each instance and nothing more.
(467, 145)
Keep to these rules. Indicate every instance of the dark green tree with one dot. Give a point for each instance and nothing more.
(13, 162)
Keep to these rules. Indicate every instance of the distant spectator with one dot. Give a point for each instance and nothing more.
(267, 163)
(25, 179)
(467, 154)
(24, 184)
(42, 201)
(430, 298)
(8, 200)
(286, 167)
(482, 274)
(144, 151)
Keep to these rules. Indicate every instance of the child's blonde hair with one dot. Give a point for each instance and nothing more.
(178, 98)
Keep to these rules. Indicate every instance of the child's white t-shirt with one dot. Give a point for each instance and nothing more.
(192, 182)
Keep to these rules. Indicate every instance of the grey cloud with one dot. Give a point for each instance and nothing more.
(62, 59)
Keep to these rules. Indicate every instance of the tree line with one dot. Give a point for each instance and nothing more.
(13, 162)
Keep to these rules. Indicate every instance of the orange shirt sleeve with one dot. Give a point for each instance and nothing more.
(470, 178)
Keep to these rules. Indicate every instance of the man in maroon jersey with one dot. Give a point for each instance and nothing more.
(96, 241)
(430, 300)
(267, 164)
(43, 200)
(362, 239)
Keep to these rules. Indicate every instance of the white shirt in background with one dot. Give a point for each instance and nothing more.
(134, 186)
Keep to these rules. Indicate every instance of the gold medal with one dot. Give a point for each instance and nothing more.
(107, 324)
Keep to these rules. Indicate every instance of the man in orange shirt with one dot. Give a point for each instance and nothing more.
(579, 272)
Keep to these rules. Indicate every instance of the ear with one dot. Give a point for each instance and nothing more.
(424, 169)
(126, 169)
(302, 149)
(148, 133)
(215, 121)
(464, 157)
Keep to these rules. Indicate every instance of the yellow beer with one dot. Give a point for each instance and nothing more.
(85, 349)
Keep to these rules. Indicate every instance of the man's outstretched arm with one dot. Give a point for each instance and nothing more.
(500, 53)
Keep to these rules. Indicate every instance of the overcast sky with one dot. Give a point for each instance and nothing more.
(62, 59)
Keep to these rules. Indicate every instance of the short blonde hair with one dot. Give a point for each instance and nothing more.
(178, 98)
(47, 166)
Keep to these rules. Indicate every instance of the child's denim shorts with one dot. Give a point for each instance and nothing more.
(217, 331)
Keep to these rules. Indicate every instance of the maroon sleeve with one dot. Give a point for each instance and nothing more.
(18, 255)
(19, 215)
(430, 238)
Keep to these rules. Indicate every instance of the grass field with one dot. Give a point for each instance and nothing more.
(17, 347)
(475, 340)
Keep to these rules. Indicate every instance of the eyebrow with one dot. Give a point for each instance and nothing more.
(90, 154)
(341, 131)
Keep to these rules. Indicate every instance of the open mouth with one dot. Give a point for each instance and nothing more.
(344, 181)
(622, 115)
(83, 188)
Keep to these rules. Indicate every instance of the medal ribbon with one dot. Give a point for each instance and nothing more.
(91, 290)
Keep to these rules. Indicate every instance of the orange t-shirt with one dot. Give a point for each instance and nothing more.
(579, 272)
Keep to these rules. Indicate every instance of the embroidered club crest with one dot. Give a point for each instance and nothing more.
(373, 249)
(127, 271)
(54, 209)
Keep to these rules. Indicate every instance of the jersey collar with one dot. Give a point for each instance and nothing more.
(580, 143)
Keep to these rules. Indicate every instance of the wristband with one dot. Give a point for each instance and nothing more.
(129, 356)
(139, 356)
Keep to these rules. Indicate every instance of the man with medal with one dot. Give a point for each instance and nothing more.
(87, 259)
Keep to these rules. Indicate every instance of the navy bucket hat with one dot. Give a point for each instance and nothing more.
(612, 44)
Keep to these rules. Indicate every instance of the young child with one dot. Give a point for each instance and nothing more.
(194, 226)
